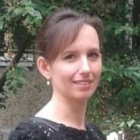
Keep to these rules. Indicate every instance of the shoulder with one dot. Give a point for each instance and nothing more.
(95, 132)
(29, 129)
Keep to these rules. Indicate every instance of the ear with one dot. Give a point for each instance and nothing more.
(43, 67)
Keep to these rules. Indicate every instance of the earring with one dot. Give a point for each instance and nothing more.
(48, 82)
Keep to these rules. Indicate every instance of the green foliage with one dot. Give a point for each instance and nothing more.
(123, 83)
(130, 126)
(15, 79)
(19, 21)
(23, 13)
(118, 90)
(3, 98)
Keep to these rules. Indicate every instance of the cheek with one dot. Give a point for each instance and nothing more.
(97, 69)
(62, 73)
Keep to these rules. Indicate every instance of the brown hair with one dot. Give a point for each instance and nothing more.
(61, 28)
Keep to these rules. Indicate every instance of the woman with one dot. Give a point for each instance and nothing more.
(70, 59)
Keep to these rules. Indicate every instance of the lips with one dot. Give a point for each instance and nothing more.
(82, 82)
(83, 85)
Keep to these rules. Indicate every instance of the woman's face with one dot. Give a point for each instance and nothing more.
(76, 71)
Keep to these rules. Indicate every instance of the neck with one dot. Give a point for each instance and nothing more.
(70, 113)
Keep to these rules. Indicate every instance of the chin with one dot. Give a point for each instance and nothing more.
(84, 95)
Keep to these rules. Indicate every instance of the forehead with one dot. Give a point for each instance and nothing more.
(87, 36)
(88, 32)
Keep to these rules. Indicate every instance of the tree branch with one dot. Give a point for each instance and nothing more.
(16, 60)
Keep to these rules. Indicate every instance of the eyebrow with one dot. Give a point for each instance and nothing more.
(95, 49)
(74, 51)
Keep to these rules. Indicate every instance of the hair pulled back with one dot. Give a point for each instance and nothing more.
(60, 29)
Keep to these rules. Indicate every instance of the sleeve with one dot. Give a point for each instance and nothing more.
(26, 131)
(19, 135)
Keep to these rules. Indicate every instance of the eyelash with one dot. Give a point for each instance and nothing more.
(93, 55)
(70, 56)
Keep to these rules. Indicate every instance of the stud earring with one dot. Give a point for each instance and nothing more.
(48, 82)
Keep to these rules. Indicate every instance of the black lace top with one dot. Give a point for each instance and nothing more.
(41, 129)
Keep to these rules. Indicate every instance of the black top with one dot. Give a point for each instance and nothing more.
(37, 128)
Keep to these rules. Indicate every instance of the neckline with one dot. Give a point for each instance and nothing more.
(57, 126)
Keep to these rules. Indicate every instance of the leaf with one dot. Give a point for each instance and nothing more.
(130, 123)
(35, 14)
(122, 125)
(18, 11)
(137, 125)
(26, 2)
(137, 75)
(109, 78)
(119, 31)
(15, 79)
(1, 24)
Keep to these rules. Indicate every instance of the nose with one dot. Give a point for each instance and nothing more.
(84, 67)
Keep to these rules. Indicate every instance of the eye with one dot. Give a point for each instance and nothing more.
(70, 57)
(93, 55)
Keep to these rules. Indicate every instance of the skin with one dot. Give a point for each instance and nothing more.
(74, 76)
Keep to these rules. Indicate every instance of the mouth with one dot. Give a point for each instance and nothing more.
(83, 82)
(83, 85)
